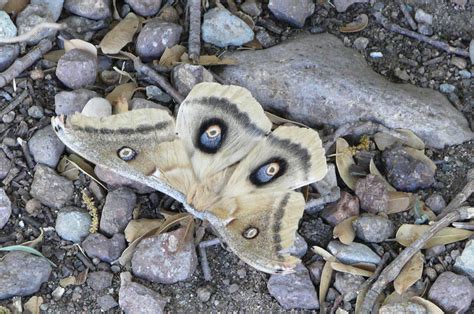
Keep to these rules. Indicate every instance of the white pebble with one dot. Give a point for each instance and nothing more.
(376, 55)
(97, 107)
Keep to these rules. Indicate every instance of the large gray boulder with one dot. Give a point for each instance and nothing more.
(315, 79)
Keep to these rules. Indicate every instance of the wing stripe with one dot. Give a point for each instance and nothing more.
(277, 219)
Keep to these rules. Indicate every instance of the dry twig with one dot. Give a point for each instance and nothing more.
(407, 15)
(12, 105)
(194, 41)
(31, 33)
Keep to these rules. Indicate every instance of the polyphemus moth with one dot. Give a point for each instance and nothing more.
(220, 159)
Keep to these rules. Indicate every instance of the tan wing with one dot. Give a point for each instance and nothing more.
(262, 228)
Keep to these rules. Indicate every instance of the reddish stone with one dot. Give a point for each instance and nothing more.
(346, 207)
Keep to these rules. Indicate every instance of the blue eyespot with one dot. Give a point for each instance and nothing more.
(268, 171)
(211, 135)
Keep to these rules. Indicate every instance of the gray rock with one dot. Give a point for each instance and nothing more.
(465, 74)
(299, 248)
(425, 29)
(163, 259)
(82, 63)
(353, 253)
(458, 62)
(451, 292)
(342, 5)
(346, 207)
(140, 103)
(73, 224)
(54, 6)
(97, 107)
(348, 285)
(203, 294)
(7, 27)
(252, 7)
(295, 290)
(5, 208)
(107, 250)
(50, 188)
(99, 280)
(5, 165)
(361, 43)
(222, 29)
(145, 7)
(447, 88)
(373, 228)
(46, 147)
(315, 271)
(106, 302)
(185, 76)
(135, 298)
(435, 251)
(91, 9)
(9, 117)
(293, 12)
(36, 112)
(265, 39)
(405, 171)
(471, 51)
(8, 54)
(117, 210)
(465, 262)
(155, 37)
(318, 97)
(328, 190)
(155, 93)
(67, 103)
(316, 232)
(436, 203)
(80, 27)
(31, 16)
(423, 17)
(407, 307)
(22, 274)
(372, 193)
(115, 180)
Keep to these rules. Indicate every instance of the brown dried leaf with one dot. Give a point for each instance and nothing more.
(344, 231)
(33, 305)
(276, 120)
(359, 23)
(73, 280)
(374, 171)
(411, 273)
(323, 253)
(120, 35)
(70, 44)
(408, 233)
(119, 106)
(344, 161)
(54, 55)
(350, 269)
(15, 6)
(325, 282)
(398, 201)
(69, 167)
(430, 307)
(124, 90)
(405, 137)
(172, 55)
(137, 228)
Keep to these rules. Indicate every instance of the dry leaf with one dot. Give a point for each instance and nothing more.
(34, 243)
(366, 266)
(374, 171)
(54, 55)
(15, 6)
(280, 121)
(344, 161)
(344, 230)
(323, 253)
(209, 60)
(120, 35)
(404, 136)
(120, 105)
(137, 228)
(325, 282)
(420, 155)
(359, 23)
(172, 55)
(69, 167)
(408, 233)
(398, 201)
(124, 90)
(350, 269)
(81, 45)
(33, 305)
(430, 307)
(73, 280)
(253, 45)
(411, 273)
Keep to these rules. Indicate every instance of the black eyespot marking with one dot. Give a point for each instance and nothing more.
(250, 233)
(126, 153)
(211, 135)
(268, 171)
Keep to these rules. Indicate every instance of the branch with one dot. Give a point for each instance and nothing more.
(407, 15)
(194, 40)
(31, 33)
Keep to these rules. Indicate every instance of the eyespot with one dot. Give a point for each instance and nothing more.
(250, 233)
(268, 171)
(126, 153)
(211, 135)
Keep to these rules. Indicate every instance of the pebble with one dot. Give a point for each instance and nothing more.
(5, 208)
(465, 262)
(423, 17)
(315, 271)
(58, 293)
(45, 147)
(293, 12)
(203, 294)
(91, 9)
(99, 280)
(185, 76)
(73, 224)
(140, 103)
(33, 207)
(460, 63)
(425, 29)
(54, 6)
(402, 74)
(163, 259)
(31, 16)
(436, 203)
(22, 274)
(348, 285)
(117, 210)
(8, 54)
(372, 194)
(115, 180)
(342, 5)
(435, 251)
(316, 232)
(36, 112)
(106, 302)
(300, 247)
(50, 188)
(9, 117)
(346, 207)
(155, 93)
(7, 27)
(103, 248)
(155, 37)
(329, 183)
(361, 43)
(471, 51)
(222, 29)
(447, 88)
(465, 74)
(145, 7)
(80, 62)
(376, 55)
(295, 290)
(451, 292)
(136, 298)
(97, 107)
(373, 228)
(406, 307)
(67, 103)
(5, 165)
(252, 7)
(265, 39)
(405, 171)
(353, 253)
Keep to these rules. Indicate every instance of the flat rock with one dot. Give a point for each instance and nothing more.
(145, 7)
(136, 298)
(300, 247)
(46, 147)
(99, 280)
(5, 208)
(316, 232)
(31, 16)
(464, 262)
(105, 249)
(342, 5)
(5, 165)
(97, 107)
(7, 27)
(348, 285)
(117, 211)
(106, 302)
(293, 12)
(346, 207)
(8, 54)
(54, 6)
(353, 253)
(295, 290)
(67, 103)
(451, 292)
(373, 228)
(155, 37)
(80, 62)
(115, 180)
(328, 83)
(162, 259)
(50, 188)
(22, 274)
(372, 193)
(91, 9)
(73, 224)
(185, 76)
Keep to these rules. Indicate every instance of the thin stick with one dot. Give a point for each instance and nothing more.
(25, 62)
(31, 33)
(206, 270)
(194, 41)
(436, 43)
(12, 105)
(26, 152)
(407, 15)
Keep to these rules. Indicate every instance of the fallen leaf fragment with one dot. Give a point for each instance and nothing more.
(137, 228)
(33, 305)
(80, 44)
(350, 269)
(344, 161)
(277, 120)
(344, 230)
(408, 233)
(402, 136)
(410, 273)
(398, 201)
(124, 90)
(36, 241)
(374, 171)
(172, 55)
(359, 23)
(73, 280)
(15, 6)
(54, 55)
(430, 306)
(120, 35)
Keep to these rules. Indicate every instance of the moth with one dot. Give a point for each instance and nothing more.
(220, 158)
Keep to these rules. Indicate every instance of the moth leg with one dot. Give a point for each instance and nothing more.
(206, 270)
